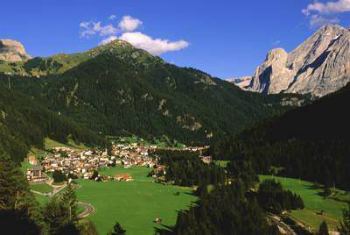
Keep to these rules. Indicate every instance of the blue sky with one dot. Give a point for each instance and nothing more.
(225, 38)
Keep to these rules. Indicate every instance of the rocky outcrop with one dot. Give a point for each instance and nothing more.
(319, 66)
(242, 82)
(12, 51)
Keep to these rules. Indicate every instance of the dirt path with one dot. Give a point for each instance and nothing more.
(88, 210)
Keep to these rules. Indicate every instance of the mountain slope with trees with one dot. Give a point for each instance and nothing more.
(311, 142)
(117, 89)
(25, 123)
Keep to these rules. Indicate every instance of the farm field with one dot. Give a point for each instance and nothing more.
(314, 202)
(134, 204)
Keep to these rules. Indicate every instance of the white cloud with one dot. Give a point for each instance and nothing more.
(91, 28)
(317, 21)
(126, 31)
(129, 24)
(108, 40)
(322, 13)
(331, 7)
(153, 46)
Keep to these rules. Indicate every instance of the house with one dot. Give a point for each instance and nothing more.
(35, 174)
(206, 159)
(123, 177)
(36, 171)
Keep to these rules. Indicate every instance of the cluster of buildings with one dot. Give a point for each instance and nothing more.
(77, 163)
(133, 155)
(83, 163)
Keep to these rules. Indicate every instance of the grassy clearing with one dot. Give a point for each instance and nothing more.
(134, 204)
(50, 143)
(41, 199)
(138, 173)
(41, 188)
(221, 163)
(315, 202)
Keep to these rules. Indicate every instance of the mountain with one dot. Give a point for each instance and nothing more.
(24, 124)
(310, 142)
(12, 51)
(116, 89)
(319, 66)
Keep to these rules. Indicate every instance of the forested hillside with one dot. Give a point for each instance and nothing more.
(117, 89)
(311, 142)
(25, 123)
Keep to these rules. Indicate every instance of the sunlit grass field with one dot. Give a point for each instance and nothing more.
(41, 188)
(332, 207)
(135, 204)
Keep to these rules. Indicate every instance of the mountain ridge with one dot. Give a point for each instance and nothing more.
(117, 88)
(318, 66)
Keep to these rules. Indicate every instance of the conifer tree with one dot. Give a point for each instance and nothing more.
(323, 230)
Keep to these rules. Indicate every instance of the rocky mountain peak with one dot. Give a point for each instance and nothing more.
(318, 66)
(275, 55)
(12, 51)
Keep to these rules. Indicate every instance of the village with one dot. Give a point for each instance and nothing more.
(85, 164)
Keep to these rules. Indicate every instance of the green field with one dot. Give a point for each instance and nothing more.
(50, 143)
(134, 204)
(42, 200)
(315, 202)
(41, 188)
(221, 163)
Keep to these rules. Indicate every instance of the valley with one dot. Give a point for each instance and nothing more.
(135, 203)
(106, 135)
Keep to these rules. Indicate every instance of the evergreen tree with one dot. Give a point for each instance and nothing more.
(345, 223)
(19, 212)
(13, 186)
(70, 199)
(118, 229)
(17, 222)
(87, 227)
(323, 230)
(58, 176)
(56, 216)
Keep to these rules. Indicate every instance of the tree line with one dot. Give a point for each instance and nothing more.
(185, 168)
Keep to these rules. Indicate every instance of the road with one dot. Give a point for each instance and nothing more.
(88, 210)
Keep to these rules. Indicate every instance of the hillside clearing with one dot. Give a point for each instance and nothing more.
(314, 202)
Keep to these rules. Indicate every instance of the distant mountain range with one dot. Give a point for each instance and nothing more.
(319, 66)
(116, 89)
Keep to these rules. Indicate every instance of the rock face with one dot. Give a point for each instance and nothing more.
(241, 82)
(319, 66)
(12, 51)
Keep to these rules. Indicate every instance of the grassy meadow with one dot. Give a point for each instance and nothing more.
(314, 202)
(134, 204)
(41, 188)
